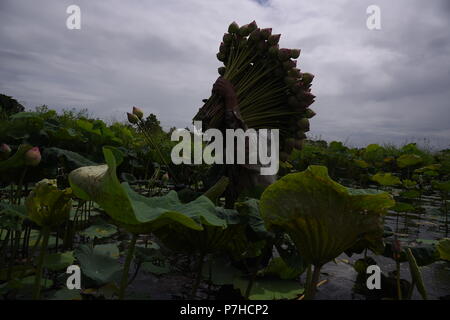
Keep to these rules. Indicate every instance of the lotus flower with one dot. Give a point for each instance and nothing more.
(233, 28)
(48, 206)
(132, 118)
(227, 38)
(252, 26)
(5, 151)
(33, 157)
(266, 33)
(295, 53)
(138, 112)
(274, 39)
(284, 54)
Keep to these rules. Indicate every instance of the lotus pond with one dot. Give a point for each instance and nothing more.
(76, 191)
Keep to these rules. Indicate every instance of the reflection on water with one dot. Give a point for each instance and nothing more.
(428, 222)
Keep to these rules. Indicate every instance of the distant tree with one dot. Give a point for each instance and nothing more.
(9, 106)
(152, 124)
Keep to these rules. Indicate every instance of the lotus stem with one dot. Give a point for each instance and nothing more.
(399, 288)
(37, 280)
(311, 282)
(199, 274)
(126, 267)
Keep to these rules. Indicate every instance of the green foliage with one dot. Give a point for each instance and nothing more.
(322, 217)
(137, 213)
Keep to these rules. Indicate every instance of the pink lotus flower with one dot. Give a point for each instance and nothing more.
(132, 118)
(5, 151)
(138, 112)
(33, 157)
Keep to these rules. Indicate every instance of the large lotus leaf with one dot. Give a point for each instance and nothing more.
(408, 160)
(386, 179)
(208, 240)
(322, 217)
(73, 160)
(137, 213)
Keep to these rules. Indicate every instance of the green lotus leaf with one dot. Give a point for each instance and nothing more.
(72, 159)
(135, 212)
(97, 264)
(443, 248)
(408, 160)
(99, 230)
(48, 206)
(322, 217)
(278, 268)
(386, 179)
(403, 207)
(58, 261)
(269, 289)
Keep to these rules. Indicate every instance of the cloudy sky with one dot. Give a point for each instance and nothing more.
(388, 85)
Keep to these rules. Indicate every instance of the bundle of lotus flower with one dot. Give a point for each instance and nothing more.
(272, 92)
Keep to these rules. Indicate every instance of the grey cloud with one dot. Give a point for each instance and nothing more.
(390, 85)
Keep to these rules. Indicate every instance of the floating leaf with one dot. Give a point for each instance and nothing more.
(59, 261)
(408, 160)
(386, 179)
(269, 289)
(98, 265)
(99, 230)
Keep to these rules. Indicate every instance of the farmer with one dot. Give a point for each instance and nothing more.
(243, 178)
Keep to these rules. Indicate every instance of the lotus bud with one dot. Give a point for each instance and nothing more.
(221, 71)
(221, 56)
(307, 78)
(266, 33)
(132, 118)
(289, 81)
(252, 26)
(5, 151)
(303, 124)
(244, 31)
(227, 38)
(295, 53)
(274, 39)
(233, 28)
(273, 51)
(165, 177)
(309, 113)
(262, 46)
(138, 112)
(284, 54)
(289, 64)
(294, 73)
(297, 87)
(255, 35)
(33, 157)
(396, 249)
